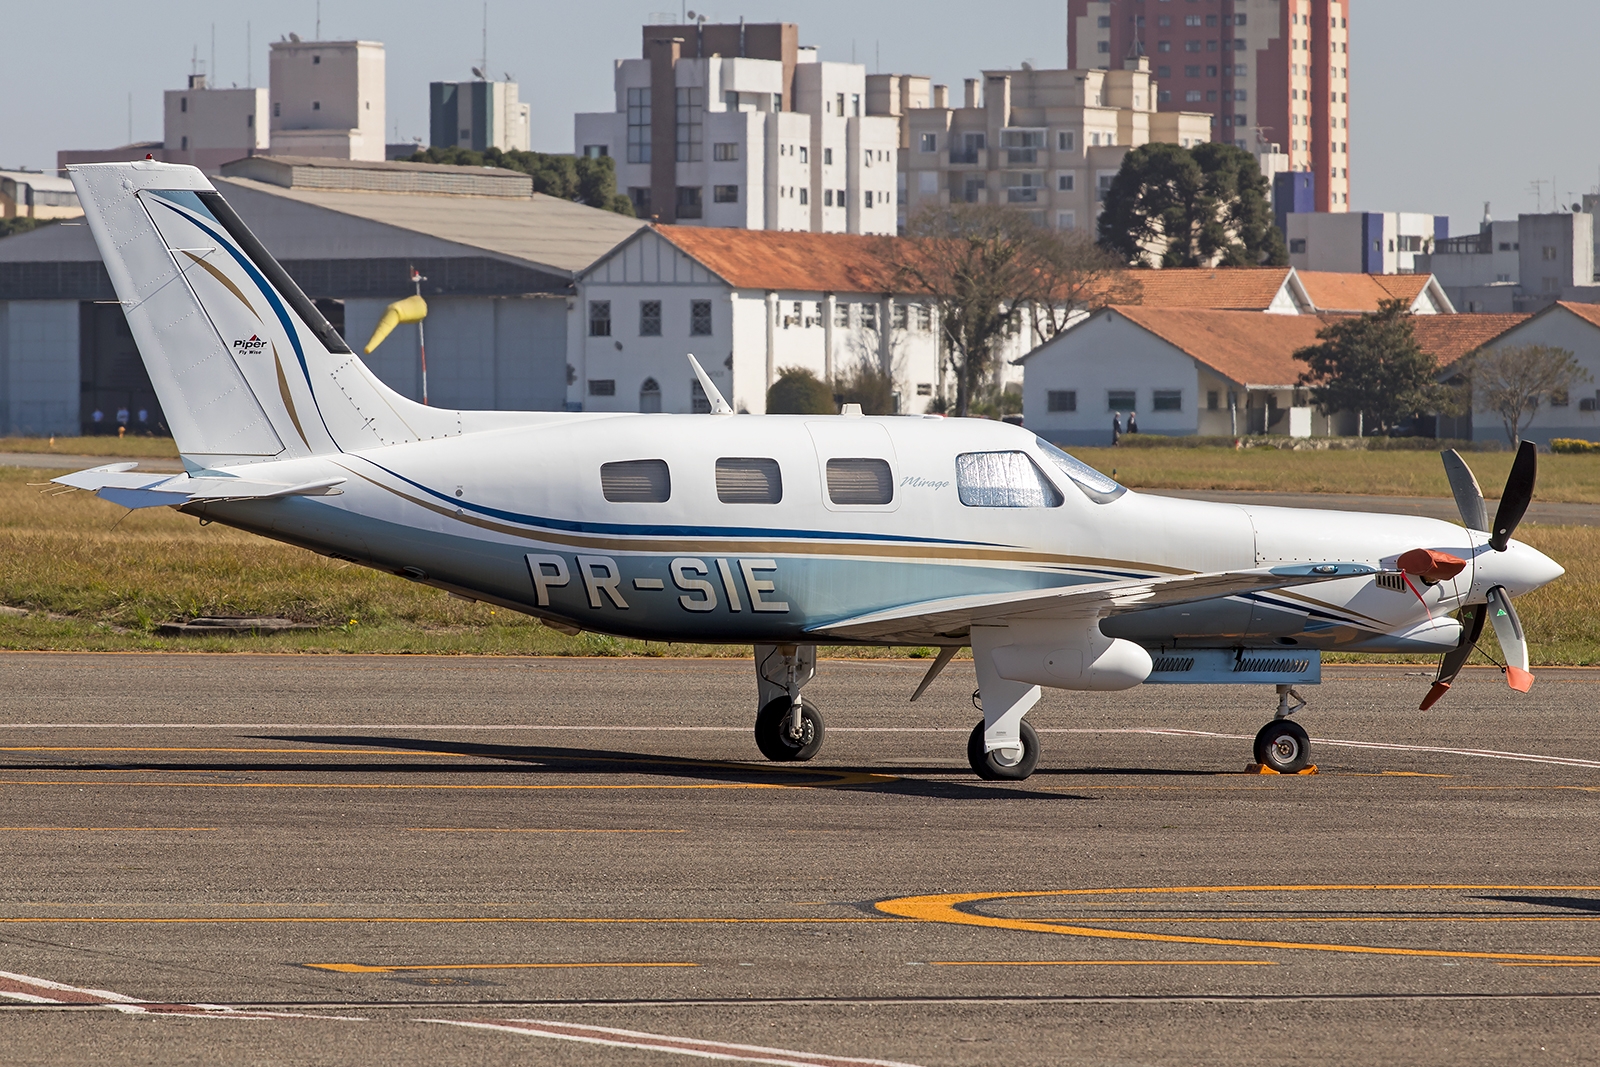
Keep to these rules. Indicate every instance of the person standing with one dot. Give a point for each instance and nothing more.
(1133, 422)
(1116, 428)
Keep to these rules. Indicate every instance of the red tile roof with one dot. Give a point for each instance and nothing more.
(1449, 337)
(1244, 346)
(1221, 288)
(774, 259)
(1587, 312)
(1334, 291)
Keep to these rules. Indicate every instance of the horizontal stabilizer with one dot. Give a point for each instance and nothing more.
(953, 615)
(118, 483)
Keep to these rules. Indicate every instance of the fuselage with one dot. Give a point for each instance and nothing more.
(762, 529)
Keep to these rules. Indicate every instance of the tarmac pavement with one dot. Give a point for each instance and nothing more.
(328, 859)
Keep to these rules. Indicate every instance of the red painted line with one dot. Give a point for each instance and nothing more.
(684, 1046)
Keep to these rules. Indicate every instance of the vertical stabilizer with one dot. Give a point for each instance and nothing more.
(245, 366)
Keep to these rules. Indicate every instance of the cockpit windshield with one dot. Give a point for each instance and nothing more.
(1095, 486)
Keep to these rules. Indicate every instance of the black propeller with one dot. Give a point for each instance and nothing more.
(1472, 617)
(1516, 497)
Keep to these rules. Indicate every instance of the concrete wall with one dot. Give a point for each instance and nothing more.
(39, 367)
(1077, 360)
(1563, 329)
(484, 353)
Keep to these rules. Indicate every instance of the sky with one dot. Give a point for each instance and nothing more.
(1453, 102)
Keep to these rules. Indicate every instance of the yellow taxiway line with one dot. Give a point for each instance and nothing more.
(361, 968)
(949, 908)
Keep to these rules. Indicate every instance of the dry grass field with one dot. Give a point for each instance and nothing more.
(93, 576)
(1562, 478)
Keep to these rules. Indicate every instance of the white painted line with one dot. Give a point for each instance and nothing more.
(32, 990)
(1479, 753)
(684, 1046)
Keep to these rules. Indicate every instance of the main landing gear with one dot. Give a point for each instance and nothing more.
(1282, 746)
(788, 727)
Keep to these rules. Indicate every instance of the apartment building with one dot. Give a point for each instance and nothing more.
(1266, 71)
(1047, 141)
(738, 126)
(1363, 242)
(327, 98)
(1522, 266)
(477, 115)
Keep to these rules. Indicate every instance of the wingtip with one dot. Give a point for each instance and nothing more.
(1519, 679)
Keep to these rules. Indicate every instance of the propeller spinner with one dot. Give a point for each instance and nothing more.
(1497, 607)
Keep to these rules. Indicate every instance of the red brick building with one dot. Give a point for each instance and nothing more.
(1268, 71)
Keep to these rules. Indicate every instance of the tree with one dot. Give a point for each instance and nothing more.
(584, 179)
(21, 224)
(864, 382)
(1239, 231)
(1515, 382)
(1208, 206)
(982, 266)
(1372, 365)
(1078, 275)
(799, 392)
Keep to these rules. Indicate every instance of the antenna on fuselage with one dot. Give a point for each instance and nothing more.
(719, 406)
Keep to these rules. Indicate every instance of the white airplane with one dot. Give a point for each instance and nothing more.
(780, 532)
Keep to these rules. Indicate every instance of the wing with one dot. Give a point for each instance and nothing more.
(118, 483)
(953, 616)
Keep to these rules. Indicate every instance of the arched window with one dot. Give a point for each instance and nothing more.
(650, 396)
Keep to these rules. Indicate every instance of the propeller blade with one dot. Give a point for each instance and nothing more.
(1469, 498)
(1508, 628)
(1450, 664)
(1516, 497)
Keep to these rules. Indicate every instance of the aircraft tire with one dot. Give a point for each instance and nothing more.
(773, 737)
(992, 769)
(1283, 746)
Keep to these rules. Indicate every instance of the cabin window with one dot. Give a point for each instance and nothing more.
(749, 481)
(860, 481)
(1095, 486)
(636, 481)
(1003, 480)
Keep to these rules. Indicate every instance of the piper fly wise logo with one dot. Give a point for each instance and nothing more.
(255, 344)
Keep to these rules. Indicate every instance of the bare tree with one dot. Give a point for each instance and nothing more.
(1076, 276)
(981, 265)
(1515, 382)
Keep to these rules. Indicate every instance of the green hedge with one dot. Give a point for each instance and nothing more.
(1573, 444)
(1305, 444)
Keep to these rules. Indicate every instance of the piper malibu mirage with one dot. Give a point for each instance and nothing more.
(778, 531)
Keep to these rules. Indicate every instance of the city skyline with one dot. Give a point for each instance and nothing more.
(1429, 83)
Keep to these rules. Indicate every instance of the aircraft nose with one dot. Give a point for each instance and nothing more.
(1520, 568)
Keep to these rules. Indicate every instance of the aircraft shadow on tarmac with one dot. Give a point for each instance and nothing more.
(552, 759)
(1572, 903)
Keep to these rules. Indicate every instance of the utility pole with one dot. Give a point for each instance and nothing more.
(422, 342)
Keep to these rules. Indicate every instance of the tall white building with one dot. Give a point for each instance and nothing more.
(327, 98)
(738, 126)
(477, 115)
(206, 127)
